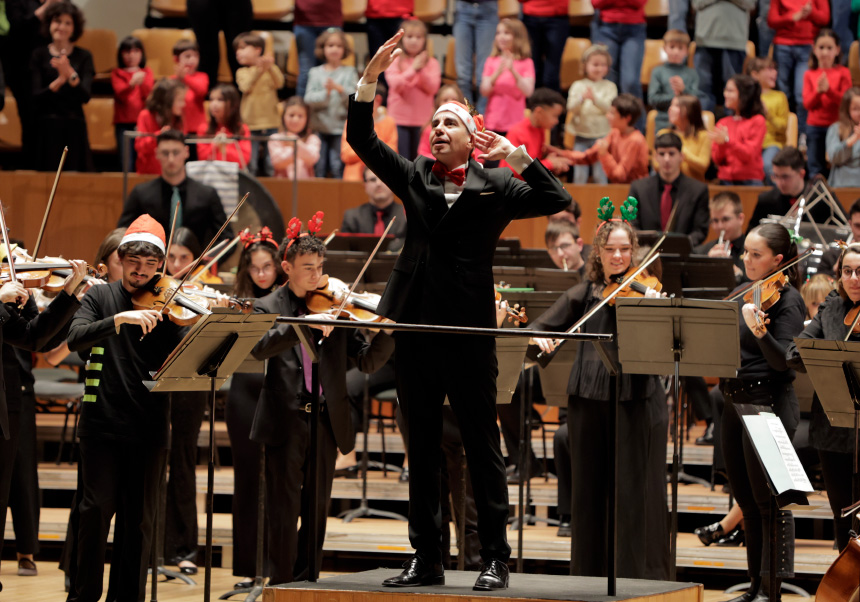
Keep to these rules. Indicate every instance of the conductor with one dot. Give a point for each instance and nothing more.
(456, 211)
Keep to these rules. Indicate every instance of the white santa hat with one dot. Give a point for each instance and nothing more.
(462, 111)
(145, 229)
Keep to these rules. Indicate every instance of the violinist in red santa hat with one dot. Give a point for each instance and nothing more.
(456, 211)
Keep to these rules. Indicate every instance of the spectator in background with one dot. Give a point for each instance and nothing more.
(208, 18)
(824, 84)
(509, 76)
(62, 84)
(673, 78)
(164, 111)
(564, 247)
(775, 102)
(841, 19)
(474, 31)
(385, 128)
(225, 123)
(548, 24)
(795, 24)
(186, 59)
(289, 160)
(374, 216)
(259, 80)
(545, 107)
(722, 31)
(384, 18)
(843, 143)
(589, 99)
(621, 28)
(413, 80)
(830, 258)
(132, 81)
(685, 117)
(678, 11)
(727, 221)
(328, 90)
(310, 19)
(737, 139)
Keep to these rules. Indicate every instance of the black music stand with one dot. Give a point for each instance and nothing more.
(211, 351)
(697, 276)
(687, 337)
(675, 242)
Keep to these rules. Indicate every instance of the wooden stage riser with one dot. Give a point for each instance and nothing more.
(280, 595)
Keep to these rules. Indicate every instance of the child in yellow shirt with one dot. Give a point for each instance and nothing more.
(763, 70)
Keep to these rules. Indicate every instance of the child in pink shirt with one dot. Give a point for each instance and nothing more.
(509, 76)
(412, 80)
(225, 123)
(289, 160)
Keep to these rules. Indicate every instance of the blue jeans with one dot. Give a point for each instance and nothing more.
(715, 67)
(840, 17)
(378, 32)
(306, 40)
(765, 33)
(792, 63)
(626, 44)
(678, 10)
(580, 172)
(408, 139)
(767, 156)
(474, 30)
(548, 36)
(258, 150)
(815, 150)
(330, 160)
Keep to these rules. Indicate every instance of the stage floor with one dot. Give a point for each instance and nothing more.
(366, 587)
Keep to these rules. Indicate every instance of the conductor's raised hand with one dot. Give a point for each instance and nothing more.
(493, 146)
(383, 58)
(145, 318)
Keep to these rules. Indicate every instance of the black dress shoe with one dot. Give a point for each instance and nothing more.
(404, 475)
(563, 530)
(709, 534)
(246, 584)
(708, 437)
(188, 570)
(494, 575)
(733, 539)
(350, 472)
(418, 572)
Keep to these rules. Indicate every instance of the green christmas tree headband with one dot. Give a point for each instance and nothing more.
(629, 210)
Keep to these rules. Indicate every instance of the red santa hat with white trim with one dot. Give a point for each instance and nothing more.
(145, 229)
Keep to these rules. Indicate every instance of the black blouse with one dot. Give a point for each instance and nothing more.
(69, 100)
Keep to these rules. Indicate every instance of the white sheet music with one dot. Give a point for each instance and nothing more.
(795, 470)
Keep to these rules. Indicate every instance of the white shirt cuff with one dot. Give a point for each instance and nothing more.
(519, 159)
(365, 92)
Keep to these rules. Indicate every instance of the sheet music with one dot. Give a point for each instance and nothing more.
(795, 470)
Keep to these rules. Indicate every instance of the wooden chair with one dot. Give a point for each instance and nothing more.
(10, 125)
(580, 12)
(272, 10)
(571, 60)
(99, 115)
(170, 8)
(791, 130)
(509, 9)
(102, 44)
(353, 10)
(158, 44)
(854, 62)
(430, 10)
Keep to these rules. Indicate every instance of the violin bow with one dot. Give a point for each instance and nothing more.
(11, 260)
(50, 202)
(206, 250)
(221, 252)
(752, 285)
(170, 238)
(364, 267)
(330, 237)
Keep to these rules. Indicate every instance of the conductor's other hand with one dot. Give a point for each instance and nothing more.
(383, 58)
(145, 318)
(14, 292)
(493, 146)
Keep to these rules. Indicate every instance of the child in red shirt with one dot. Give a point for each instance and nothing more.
(736, 140)
(164, 109)
(225, 122)
(545, 107)
(823, 87)
(186, 58)
(132, 82)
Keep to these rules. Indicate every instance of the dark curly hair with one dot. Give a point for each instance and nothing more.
(594, 269)
(304, 245)
(64, 8)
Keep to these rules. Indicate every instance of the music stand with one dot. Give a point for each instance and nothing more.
(675, 242)
(697, 276)
(687, 337)
(211, 351)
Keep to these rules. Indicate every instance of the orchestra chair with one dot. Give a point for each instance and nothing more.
(272, 10)
(580, 12)
(102, 44)
(99, 115)
(353, 10)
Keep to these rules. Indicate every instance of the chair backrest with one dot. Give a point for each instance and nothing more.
(791, 130)
(656, 8)
(580, 12)
(158, 44)
(509, 9)
(571, 60)
(651, 129)
(353, 10)
(430, 10)
(102, 44)
(569, 136)
(449, 69)
(272, 10)
(854, 62)
(10, 125)
(99, 115)
(708, 119)
(653, 57)
(170, 8)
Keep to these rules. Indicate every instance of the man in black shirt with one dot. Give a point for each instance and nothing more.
(373, 216)
(727, 217)
(202, 212)
(122, 425)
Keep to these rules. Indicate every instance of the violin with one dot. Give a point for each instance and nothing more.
(841, 582)
(47, 275)
(329, 295)
(184, 309)
(764, 295)
(515, 312)
(637, 287)
(851, 320)
(242, 305)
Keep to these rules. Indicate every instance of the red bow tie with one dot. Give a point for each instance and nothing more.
(457, 176)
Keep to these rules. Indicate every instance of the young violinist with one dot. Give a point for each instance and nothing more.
(614, 246)
(122, 425)
(259, 273)
(835, 445)
(764, 379)
(282, 417)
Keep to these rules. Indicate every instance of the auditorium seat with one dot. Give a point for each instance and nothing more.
(353, 10)
(656, 9)
(272, 10)
(571, 61)
(692, 51)
(653, 57)
(791, 130)
(509, 9)
(102, 44)
(580, 12)
(430, 10)
(10, 125)
(854, 62)
(99, 115)
(651, 130)
(158, 45)
(169, 8)
(449, 66)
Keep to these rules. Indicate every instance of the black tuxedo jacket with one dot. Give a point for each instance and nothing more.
(691, 196)
(444, 274)
(202, 211)
(284, 381)
(362, 220)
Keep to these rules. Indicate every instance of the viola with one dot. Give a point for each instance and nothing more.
(328, 297)
(183, 309)
(637, 287)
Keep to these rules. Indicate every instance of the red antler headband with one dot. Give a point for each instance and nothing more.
(294, 229)
(264, 235)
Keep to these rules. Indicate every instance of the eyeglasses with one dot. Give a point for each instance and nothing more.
(564, 247)
(848, 272)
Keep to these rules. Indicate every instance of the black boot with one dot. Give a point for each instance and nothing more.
(765, 595)
(751, 595)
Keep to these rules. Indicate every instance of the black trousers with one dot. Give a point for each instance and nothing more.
(509, 420)
(180, 519)
(8, 451)
(837, 469)
(208, 18)
(241, 405)
(381, 380)
(463, 368)
(456, 484)
(117, 477)
(747, 478)
(656, 517)
(288, 496)
(561, 456)
(24, 497)
(589, 428)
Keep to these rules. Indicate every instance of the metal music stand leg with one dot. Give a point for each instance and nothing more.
(313, 519)
(612, 488)
(520, 522)
(683, 423)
